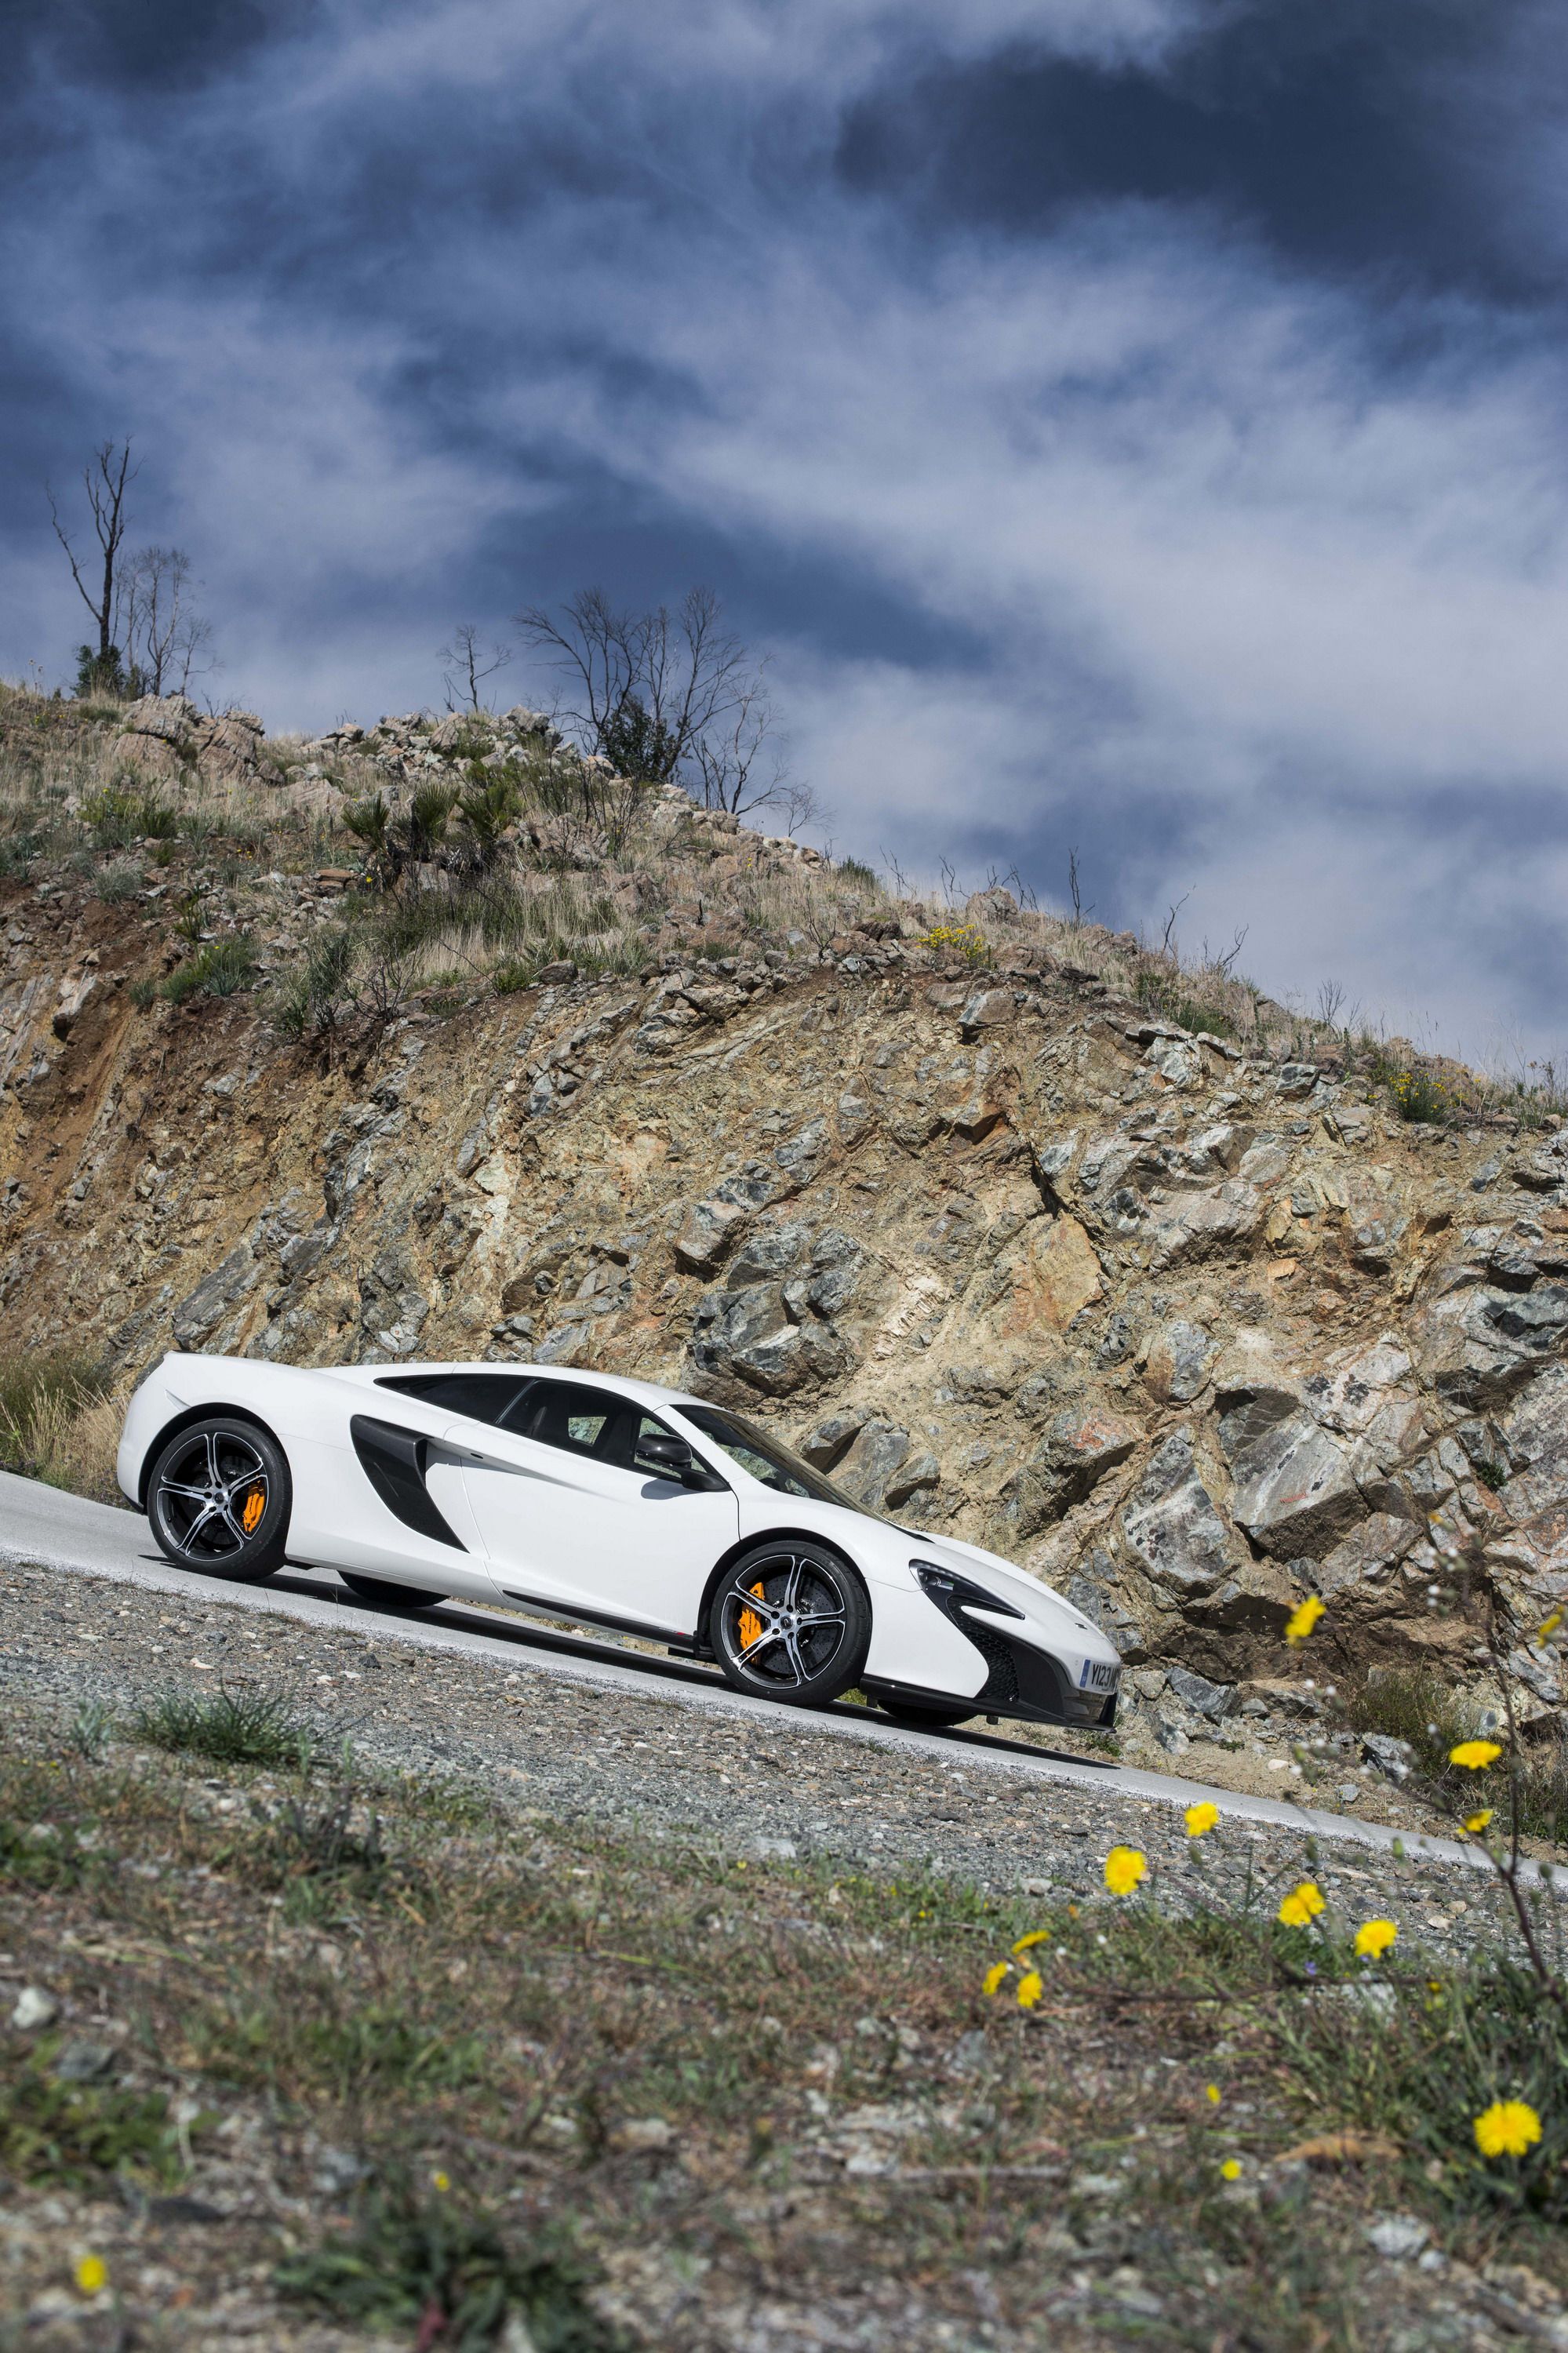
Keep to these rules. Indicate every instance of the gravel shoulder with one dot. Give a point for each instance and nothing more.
(650, 1758)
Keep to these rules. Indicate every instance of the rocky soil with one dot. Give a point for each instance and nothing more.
(1191, 1324)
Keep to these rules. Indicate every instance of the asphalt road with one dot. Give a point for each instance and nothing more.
(65, 1532)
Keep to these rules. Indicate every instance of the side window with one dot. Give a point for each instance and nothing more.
(578, 1419)
(494, 1397)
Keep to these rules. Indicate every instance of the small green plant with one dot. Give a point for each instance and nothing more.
(119, 882)
(316, 996)
(144, 995)
(91, 1729)
(1412, 1704)
(961, 939)
(509, 978)
(219, 969)
(232, 1727)
(74, 2136)
(855, 871)
(125, 812)
(1494, 1475)
(420, 2263)
(1418, 1095)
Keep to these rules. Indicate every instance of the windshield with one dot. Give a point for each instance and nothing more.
(766, 1457)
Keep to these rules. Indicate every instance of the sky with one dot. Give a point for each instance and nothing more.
(1134, 425)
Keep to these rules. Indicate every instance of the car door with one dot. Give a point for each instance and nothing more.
(572, 1518)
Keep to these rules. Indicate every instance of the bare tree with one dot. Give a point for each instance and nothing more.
(163, 635)
(1076, 890)
(467, 667)
(666, 696)
(107, 481)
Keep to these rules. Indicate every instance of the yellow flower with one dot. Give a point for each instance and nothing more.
(1548, 1627)
(91, 2274)
(1507, 2128)
(1302, 1905)
(1035, 1936)
(1375, 1936)
(1476, 1823)
(1031, 1986)
(1230, 2169)
(1474, 1754)
(1211, 2093)
(1201, 1819)
(994, 1976)
(1124, 1868)
(1300, 1622)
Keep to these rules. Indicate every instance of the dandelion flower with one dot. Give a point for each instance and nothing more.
(1211, 2093)
(1374, 1938)
(440, 2181)
(1035, 1936)
(1476, 1823)
(1507, 2128)
(1230, 2169)
(1300, 1622)
(1474, 1754)
(1031, 1986)
(92, 2274)
(1200, 1819)
(1302, 1905)
(1124, 1868)
(994, 1976)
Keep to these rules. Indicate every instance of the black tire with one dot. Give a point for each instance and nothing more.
(382, 1588)
(920, 1717)
(807, 1641)
(218, 1497)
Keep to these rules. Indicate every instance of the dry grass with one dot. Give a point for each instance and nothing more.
(717, 2084)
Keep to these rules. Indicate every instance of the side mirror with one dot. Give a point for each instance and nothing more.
(668, 1456)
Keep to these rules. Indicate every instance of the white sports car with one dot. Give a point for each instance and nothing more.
(608, 1502)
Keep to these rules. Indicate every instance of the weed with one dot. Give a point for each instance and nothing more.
(91, 1729)
(234, 1728)
(322, 1844)
(38, 1856)
(377, 2048)
(961, 939)
(1417, 1094)
(41, 1395)
(144, 995)
(219, 969)
(1412, 1704)
(71, 2135)
(126, 811)
(418, 2263)
(119, 882)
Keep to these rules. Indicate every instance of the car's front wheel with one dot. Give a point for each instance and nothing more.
(791, 1621)
(218, 1497)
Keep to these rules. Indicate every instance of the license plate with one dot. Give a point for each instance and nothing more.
(1098, 1677)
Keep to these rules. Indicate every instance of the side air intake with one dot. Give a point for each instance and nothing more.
(394, 1462)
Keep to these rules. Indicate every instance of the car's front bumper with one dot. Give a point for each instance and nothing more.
(1022, 1681)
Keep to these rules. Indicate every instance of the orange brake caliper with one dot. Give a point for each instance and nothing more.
(250, 1511)
(750, 1623)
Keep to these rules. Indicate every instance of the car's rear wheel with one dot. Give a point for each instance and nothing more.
(383, 1589)
(918, 1717)
(218, 1498)
(791, 1623)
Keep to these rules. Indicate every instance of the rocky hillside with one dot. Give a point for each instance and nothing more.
(1184, 1313)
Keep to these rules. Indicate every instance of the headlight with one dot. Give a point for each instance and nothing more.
(951, 1592)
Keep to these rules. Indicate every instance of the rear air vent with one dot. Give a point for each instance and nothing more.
(394, 1461)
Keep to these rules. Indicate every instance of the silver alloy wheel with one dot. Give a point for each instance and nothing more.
(213, 1498)
(784, 1628)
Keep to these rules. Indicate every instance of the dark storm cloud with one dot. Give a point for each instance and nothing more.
(1131, 423)
(1353, 139)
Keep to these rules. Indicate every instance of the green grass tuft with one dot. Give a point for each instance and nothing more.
(233, 1729)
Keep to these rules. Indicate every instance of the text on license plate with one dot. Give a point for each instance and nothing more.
(1098, 1677)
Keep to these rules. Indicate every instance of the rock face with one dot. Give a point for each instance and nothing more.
(1191, 1333)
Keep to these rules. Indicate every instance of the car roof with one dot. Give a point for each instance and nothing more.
(647, 1393)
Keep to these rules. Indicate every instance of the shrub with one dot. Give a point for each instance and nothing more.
(316, 996)
(42, 1395)
(964, 939)
(219, 969)
(856, 872)
(144, 995)
(1418, 1095)
(1412, 1704)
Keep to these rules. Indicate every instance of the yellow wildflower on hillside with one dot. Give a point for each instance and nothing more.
(1302, 1905)
(1507, 2128)
(1031, 1986)
(993, 1977)
(1476, 1754)
(1124, 1868)
(1201, 1819)
(91, 2274)
(1374, 1938)
(1302, 1619)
